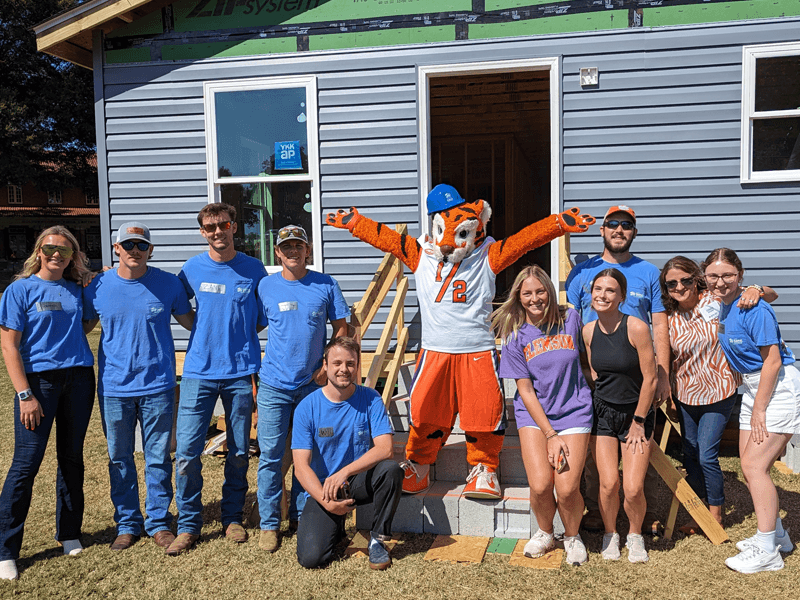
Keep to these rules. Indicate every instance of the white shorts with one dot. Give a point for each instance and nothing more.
(570, 431)
(783, 410)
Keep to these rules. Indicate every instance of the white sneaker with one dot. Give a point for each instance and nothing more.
(576, 551)
(784, 542)
(72, 547)
(8, 569)
(610, 546)
(754, 560)
(636, 550)
(539, 545)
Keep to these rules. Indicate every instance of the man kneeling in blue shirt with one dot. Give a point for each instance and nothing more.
(342, 449)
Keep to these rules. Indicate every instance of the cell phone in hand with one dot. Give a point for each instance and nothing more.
(562, 462)
(343, 493)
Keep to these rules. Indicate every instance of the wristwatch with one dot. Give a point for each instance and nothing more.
(25, 394)
(638, 419)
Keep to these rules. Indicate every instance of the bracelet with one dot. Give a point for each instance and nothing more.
(551, 434)
(758, 288)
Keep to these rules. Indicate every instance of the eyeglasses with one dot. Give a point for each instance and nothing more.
(726, 277)
(222, 226)
(64, 251)
(685, 282)
(614, 223)
(129, 244)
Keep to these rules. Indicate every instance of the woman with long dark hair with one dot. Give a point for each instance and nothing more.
(50, 365)
(621, 355)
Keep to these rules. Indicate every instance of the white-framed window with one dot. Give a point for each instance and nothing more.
(14, 194)
(91, 200)
(263, 158)
(770, 113)
(54, 197)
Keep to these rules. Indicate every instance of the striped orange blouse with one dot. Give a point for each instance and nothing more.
(700, 373)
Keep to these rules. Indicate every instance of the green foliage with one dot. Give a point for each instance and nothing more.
(47, 132)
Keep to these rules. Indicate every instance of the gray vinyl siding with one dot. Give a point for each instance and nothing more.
(660, 133)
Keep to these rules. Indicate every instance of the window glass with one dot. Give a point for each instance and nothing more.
(263, 209)
(250, 122)
(776, 144)
(778, 83)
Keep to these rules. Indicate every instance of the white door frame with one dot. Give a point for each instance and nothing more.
(426, 72)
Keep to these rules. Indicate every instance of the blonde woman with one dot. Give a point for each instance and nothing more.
(50, 365)
(553, 404)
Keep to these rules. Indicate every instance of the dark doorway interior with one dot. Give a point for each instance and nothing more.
(490, 139)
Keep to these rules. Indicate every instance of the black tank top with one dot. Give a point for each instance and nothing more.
(616, 362)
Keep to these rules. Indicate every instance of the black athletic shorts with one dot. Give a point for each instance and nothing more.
(614, 420)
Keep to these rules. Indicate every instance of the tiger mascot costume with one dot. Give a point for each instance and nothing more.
(456, 371)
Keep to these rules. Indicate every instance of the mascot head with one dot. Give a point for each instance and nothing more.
(458, 226)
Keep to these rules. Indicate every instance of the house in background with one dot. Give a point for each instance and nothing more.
(25, 211)
(687, 110)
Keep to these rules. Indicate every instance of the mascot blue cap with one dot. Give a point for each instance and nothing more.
(442, 197)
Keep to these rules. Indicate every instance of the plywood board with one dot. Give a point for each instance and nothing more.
(458, 549)
(551, 560)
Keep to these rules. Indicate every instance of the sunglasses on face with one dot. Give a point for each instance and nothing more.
(64, 251)
(614, 223)
(222, 226)
(673, 283)
(129, 244)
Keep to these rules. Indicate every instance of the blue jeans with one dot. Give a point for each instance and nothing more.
(154, 413)
(702, 428)
(198, 397)
(67, 398)
(275, 416)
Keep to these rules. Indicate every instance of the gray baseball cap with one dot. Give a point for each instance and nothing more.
(133, 230)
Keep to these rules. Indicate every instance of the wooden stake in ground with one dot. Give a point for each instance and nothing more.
(684, 492)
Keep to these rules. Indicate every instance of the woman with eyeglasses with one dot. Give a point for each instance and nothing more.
(703, 384)
(50, 365)
(770, 413)
(621, 355)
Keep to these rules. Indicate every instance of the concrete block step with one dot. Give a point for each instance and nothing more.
(443, 510)
(791, 457)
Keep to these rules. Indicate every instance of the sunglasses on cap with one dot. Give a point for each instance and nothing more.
(212, 227)
(294, 232)
(64, 251)
(614, 223)
(686, 282)
(129, 244)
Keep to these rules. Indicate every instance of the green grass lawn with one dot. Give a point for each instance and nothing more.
(681, 568)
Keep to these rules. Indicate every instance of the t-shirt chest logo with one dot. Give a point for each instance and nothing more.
(243, 289)
(212, 288)
(325, 432)
(562, 341)
(286, 306)
(48, 306)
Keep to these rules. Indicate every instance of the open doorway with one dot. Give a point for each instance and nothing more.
(490, 138)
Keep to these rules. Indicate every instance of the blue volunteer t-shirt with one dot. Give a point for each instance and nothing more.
(296, 313)
(338, 433)
(644, 290)
(223, 343)
(742, 332)
(49, 315)
(137, 354)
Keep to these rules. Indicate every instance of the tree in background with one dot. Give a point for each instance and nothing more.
(47, 132)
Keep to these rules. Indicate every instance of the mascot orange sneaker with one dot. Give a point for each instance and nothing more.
(482, 483)
(417, 477)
